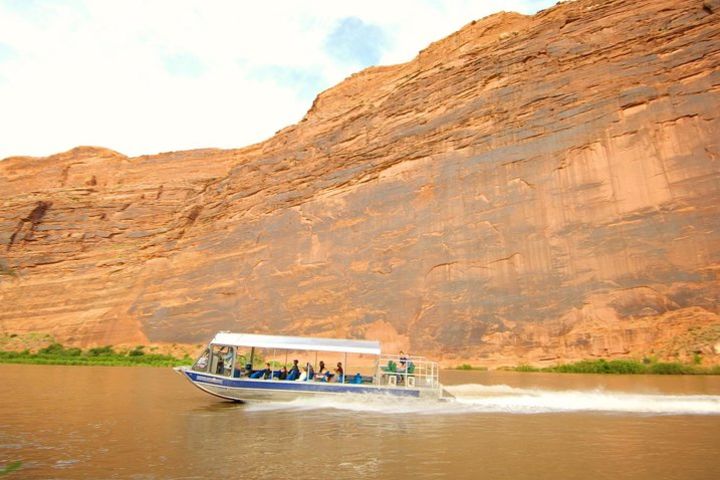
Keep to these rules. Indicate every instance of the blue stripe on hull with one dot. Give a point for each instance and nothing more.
(289, 386)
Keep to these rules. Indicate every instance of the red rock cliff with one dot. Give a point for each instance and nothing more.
(528, 188)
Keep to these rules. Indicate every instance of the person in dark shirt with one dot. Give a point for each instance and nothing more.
(340, 374)
(322, 372)
(267, 373)
(294, 369)
(220, 366)
(283, 373)
(403, 359)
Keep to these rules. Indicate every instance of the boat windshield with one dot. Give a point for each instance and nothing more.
(217, 359)
(202, 362)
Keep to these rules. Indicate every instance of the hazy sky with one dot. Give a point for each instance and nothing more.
(146, 76)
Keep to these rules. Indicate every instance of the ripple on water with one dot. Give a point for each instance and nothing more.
(65, 463)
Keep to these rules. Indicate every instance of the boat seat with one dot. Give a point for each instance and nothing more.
(257, 374)
(391, 367)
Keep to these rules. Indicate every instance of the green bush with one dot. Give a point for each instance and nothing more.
(467, 366)
(56, 354)
(10, 467)
(671, 369)
(524, 367)
(52, 349)
(136, 352)
(101, 351)
(626, 367)
(600, 366)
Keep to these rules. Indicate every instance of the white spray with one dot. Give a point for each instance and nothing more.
(473, 398)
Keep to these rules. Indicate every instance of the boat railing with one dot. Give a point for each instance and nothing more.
(407, 371)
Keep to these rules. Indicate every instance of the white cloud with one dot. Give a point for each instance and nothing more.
(149, 76)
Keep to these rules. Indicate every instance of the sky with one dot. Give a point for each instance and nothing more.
(150, 76)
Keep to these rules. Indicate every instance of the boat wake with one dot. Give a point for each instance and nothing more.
(474, 398)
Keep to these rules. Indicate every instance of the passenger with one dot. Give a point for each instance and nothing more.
(339, 372)
(283, 373)
(403, 360)
(310, 371)
(303, 375)
(238, 368)
(267, 373)
(322, 372)
(295, 370)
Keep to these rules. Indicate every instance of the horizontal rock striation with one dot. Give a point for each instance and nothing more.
(527, 189)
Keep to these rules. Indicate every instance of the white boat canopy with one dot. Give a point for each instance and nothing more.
(297, 343)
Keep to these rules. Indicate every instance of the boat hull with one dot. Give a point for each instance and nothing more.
(251, 390)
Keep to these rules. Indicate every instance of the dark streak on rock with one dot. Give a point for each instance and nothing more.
(34, 219)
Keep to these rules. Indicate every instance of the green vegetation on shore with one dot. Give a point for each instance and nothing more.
(647, 367)
(10, 467)
(467, 366)
(57, 354)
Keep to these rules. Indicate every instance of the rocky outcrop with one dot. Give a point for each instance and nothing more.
(527, 189)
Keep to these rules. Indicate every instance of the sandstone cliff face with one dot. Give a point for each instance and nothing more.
(527, 189)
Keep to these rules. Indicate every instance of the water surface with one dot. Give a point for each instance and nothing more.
(149, 423)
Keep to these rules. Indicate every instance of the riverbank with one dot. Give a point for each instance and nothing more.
(57, 354)
(622, 367)
(43, 349)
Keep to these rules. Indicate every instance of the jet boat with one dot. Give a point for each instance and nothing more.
(249, 367)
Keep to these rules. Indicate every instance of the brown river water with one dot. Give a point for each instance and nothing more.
(149, 423)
